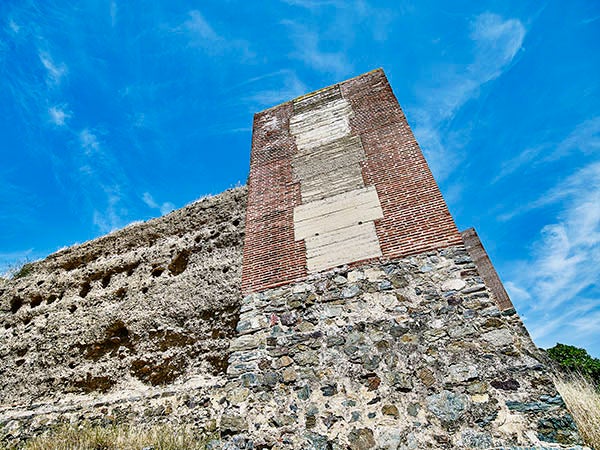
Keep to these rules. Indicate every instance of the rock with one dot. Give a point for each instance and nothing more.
(447, 406)
(528, 406)
(475, 288)
(284, 361)
(237, 396)
(316, 442)
(289, 375)
(401, 381)
(247, 342)
(340, 280)
(373, 383)
(329, 390)
(307, 358)
(389, 439)
(335, 341)
(388, 301)
(462, 372)
(478, 387)
(506, 385)
(462, 260)
(427, 377)
(384, 285)
(374, 274)
(455, 284)
(476, 439)
(350, 291)
(499, 337)
(356, 275)
(480, 398)
(390, 410)
(413, 409)
(304, 392)
(289, 318)
(361, 439)
(233, 423)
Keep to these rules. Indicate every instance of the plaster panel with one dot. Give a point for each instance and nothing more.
(320, 126)
(341, 246)
(329, 169)
(339, 211)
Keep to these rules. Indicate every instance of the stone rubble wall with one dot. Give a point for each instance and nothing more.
(145, 306)
(412, 354)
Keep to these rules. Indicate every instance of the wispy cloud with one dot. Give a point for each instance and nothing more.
(574, 186)
(584, 139)
(88, 141)
(55, 71)
(164, 208)
(565, 259)
(14, 27)
(59, 114)
(280, 86)
(110, 218)
(495, 44)
(201, 34)
(309, 49)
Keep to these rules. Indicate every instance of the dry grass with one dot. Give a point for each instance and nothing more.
(121, 437)
(583, 400)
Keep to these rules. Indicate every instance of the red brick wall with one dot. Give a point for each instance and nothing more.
(416, 218)
(271, 257)
(486, 269)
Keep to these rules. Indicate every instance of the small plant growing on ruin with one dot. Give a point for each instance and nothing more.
(25, 270)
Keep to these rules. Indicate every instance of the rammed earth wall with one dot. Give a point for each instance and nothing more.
(146, 306)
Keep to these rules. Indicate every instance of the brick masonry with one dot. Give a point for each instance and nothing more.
(415, 216)
(486, 269)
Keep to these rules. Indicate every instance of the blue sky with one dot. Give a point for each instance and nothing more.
(118, 111)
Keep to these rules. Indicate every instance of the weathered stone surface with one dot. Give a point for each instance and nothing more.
(447, 406)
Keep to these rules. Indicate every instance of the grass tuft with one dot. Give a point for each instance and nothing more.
(25, 270)
(582, 398)
(121, 437)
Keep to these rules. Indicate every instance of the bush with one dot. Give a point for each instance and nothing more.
(573, 359)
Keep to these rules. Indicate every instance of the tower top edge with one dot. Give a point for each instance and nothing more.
(312, 93)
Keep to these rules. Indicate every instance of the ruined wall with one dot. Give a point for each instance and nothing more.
(145, 306)
(405, 354)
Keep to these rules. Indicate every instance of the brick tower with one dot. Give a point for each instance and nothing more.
(367, 321)
(337, 177)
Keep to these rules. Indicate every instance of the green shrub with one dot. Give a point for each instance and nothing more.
(575, 359)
